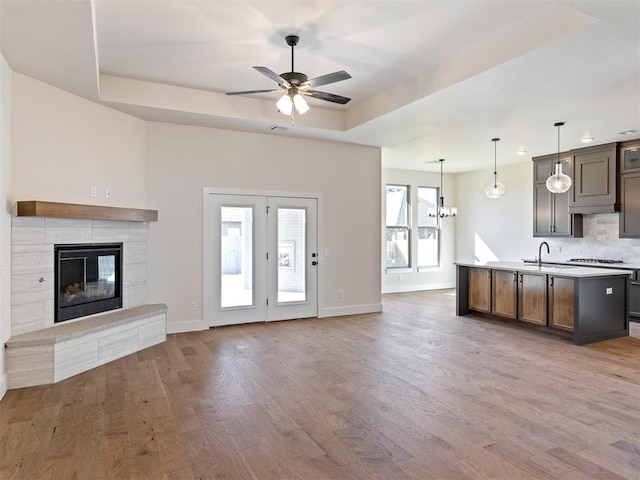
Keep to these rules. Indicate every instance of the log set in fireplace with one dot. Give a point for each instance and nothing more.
(88, 279)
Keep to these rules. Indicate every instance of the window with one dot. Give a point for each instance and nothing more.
(412, 236)
(397, 221)
(428, 238)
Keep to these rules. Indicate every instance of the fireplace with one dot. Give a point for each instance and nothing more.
(88, 279)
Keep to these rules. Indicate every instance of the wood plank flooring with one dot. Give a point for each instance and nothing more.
(411, 393)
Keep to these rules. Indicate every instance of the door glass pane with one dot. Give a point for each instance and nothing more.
(236, 257)
(291, 255)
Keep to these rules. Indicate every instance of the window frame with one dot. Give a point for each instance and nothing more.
(437, 228)
(407, 227)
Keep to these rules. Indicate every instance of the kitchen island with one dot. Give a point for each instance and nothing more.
(587, 304)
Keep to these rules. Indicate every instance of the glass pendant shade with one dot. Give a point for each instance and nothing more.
(285, 105)
(300, 103)
(558, 182)
(495, 190)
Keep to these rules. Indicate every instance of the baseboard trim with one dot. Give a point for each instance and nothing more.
(417, 288)
(182, 327)
(3, 385)
(352, 310)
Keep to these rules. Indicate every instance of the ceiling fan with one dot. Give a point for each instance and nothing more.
(295, 85)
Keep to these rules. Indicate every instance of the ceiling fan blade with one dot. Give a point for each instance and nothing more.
(326, 79)
(273, 76)
(329, 97)
(246, 92)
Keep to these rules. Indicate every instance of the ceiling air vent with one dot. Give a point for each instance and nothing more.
(278, 128)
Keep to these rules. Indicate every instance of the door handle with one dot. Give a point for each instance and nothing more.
(314, 263)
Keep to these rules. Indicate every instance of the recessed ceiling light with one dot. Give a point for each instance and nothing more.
(586, 139)
(521, 152)
(628, 132)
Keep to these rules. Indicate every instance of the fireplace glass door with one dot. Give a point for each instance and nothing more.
(88, 279)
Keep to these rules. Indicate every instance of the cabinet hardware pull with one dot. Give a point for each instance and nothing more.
(551, 281)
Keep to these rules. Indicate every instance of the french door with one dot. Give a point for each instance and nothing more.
(260, 255)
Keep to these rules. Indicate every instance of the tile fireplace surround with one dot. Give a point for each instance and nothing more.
(32, 259)
(32, 296)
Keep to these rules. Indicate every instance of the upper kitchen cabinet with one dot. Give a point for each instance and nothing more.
(551, 217)
(595, 180)
(629, 161)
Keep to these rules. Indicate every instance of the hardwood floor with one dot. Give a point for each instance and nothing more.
(411, 393)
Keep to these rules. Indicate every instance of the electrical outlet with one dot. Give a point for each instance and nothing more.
(193, 306)
(340, 293)
(93, 192)
(107, 193)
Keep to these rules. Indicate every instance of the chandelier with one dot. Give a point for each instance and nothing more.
(440, 210)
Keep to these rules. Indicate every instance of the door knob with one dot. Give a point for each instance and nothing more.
(314, 263)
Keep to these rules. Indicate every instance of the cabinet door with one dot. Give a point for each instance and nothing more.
(532, 298)
(504, 293)
(629, 156)
(551, 216)
(541, 211)
(630, 214)
(561, 302)
(634, 299)
(480, 289)
(594, 181)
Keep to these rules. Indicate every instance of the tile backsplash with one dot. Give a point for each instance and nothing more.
(600, 241)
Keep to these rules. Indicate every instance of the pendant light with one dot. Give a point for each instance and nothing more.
(495, 189)
(441, 211)
(558, 182)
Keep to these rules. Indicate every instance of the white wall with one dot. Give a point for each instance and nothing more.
(63, 144)
(5, 213)
(502, 229)
(182, 160)
(499, 229)
(443, 276)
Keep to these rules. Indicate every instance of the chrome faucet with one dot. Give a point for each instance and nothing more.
(540, 253)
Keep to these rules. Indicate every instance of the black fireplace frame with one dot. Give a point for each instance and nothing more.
(67, 251)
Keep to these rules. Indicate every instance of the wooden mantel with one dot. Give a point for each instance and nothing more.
(38, 208)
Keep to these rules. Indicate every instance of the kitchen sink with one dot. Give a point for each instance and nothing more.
(532, 266)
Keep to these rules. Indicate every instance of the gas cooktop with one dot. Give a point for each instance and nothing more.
(594, 260)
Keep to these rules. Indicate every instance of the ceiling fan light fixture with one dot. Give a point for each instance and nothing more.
(285, 105)
(300, 103)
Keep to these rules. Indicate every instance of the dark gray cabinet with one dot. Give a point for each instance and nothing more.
(551, 217)
(595, 180)
(629, 161)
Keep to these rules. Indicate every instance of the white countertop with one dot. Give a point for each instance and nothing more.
(558, 270)
(619, 266)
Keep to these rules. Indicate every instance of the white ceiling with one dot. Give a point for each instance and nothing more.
(431, 79)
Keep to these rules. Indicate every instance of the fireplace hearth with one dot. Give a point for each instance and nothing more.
(88, 279)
